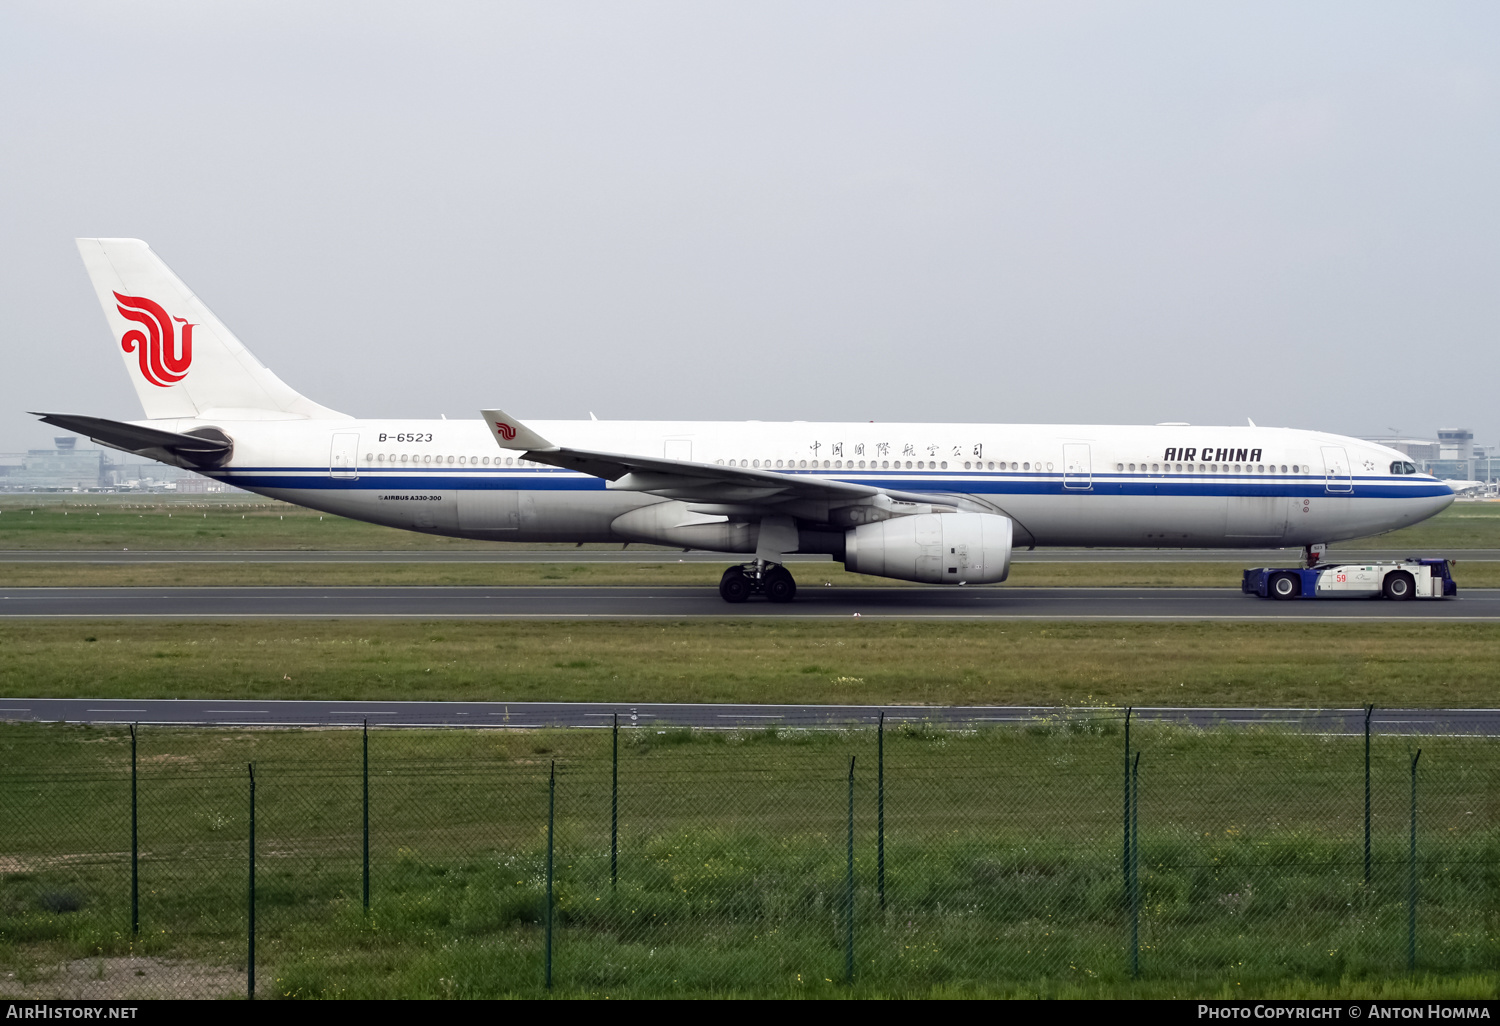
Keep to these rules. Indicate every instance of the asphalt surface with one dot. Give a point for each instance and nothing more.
(1244, 557)
(664, 602)
(219, 711)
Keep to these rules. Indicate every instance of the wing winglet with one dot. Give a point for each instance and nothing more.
(510, 433)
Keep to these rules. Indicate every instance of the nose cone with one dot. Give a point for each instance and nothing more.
(1437, 503)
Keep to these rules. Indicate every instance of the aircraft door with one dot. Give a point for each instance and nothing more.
(343, 456)
(483, 510)
(1077, 467)
(1337, 478)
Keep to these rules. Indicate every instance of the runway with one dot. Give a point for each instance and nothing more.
(1243, 557)
(665, 602)
(533, 715)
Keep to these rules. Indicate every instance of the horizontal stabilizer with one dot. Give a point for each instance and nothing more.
(206, 447)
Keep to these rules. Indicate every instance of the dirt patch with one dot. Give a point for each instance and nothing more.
(36, 863)
(124, 978)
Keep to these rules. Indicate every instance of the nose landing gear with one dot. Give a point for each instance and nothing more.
(772, 580)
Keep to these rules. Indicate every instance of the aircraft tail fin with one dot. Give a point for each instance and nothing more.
(182, 360)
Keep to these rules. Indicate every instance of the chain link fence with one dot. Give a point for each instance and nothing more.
(1079, 853)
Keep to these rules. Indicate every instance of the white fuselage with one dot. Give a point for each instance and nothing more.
(1163, 486)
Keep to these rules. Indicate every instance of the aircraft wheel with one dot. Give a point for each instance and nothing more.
(1399, 586)
(734, 586)
(1285, 586)
(780, 586)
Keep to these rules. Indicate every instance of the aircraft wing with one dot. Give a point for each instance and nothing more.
(682, 479)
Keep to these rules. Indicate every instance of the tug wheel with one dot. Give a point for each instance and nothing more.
(1399, 586)
(1285, 586)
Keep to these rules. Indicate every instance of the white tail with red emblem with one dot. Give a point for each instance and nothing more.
(182, 360)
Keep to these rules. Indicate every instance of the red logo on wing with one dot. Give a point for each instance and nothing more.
(506, 431)
(164, 358)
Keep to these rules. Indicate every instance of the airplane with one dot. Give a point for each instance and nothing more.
(1464, 487)
(932, 503)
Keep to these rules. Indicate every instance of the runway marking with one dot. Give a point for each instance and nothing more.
(114, 710)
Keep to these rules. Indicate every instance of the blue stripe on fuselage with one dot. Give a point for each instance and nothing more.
(1021, 483)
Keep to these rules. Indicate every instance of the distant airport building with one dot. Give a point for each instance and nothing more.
(197, 484)
(66, 468)
(1421, 450)
(1455, 443)
(1458, 459)
(1452, 456)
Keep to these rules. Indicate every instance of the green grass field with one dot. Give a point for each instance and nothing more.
(1252, 664)
(1003, 871)
(196, 522)
(1003, 868)
(1469, 574)
(249, 522)
(210, 522)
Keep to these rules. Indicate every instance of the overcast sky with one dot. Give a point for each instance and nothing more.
(1054, 212)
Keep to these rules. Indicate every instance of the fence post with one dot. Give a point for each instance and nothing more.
(551, 801)
(614, 808)
(250, 956)
(1125, 844)
(135, 877)
(1369, 709)
(366, 741)
(849, 887)
(1411, 885)
(880, 810)
(1135, 868)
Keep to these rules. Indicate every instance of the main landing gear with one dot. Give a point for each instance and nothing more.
(772, 580)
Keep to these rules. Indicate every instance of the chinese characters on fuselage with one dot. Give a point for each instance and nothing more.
(836, 449)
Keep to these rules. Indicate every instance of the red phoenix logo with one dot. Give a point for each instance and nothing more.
(164, 359)
(506, 431)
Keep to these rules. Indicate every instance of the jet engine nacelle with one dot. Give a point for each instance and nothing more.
(932, 548)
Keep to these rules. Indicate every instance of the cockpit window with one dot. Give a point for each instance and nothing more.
(1409, 468)
(1403, 467)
